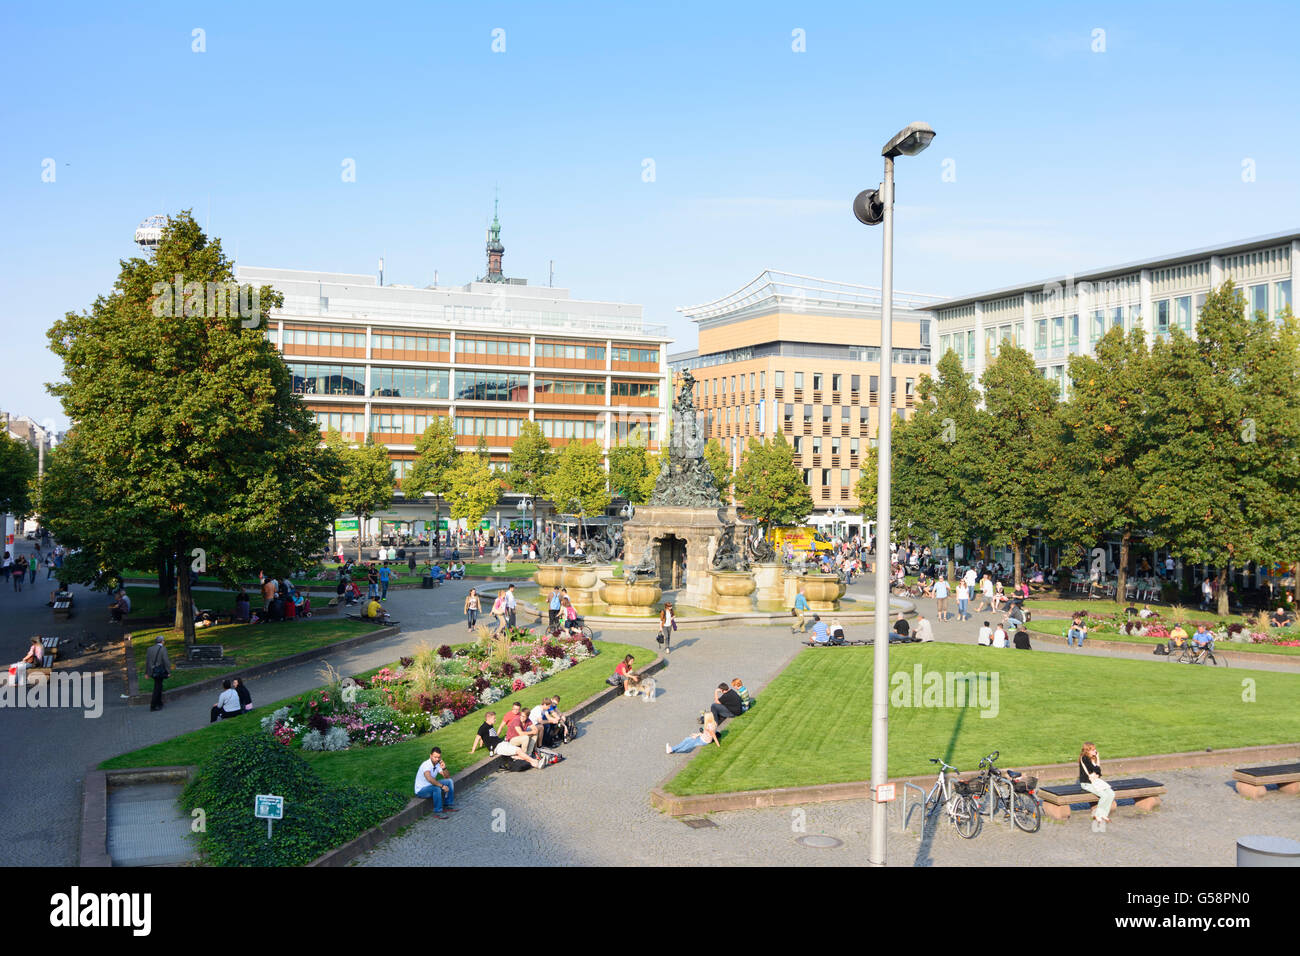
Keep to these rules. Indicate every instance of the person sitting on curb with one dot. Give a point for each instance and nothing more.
(924, 631)
(708, 735)
(902, 632)
(488, 738)
(726, 703)
(739, 687)
(1177, 638)
(820, 633)
(515, 730)
(1078, 629)
(1021, 639)
(432, 782)
(227, 704)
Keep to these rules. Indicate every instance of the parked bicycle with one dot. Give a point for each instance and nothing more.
(576, 628)
(1002, 793)
(956, 801)
(1191, 654)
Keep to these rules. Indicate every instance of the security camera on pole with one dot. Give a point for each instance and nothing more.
(875, 207)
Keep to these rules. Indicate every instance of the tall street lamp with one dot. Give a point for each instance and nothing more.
(875, 207)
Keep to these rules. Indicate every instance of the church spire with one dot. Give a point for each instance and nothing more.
(494, 248)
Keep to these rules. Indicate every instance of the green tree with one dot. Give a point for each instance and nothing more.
(366, 484)
(531, 463)
(719, 463)
(1220, 481)
(934, 456)
(579, 485)
(435, 455)
(1016, 469)
(1105, 434)
(770, 487)
(472, 488)
(186, 420)
(17, 472)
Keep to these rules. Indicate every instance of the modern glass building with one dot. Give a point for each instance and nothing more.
(1066, 315)
(384, 361)
(800, 356)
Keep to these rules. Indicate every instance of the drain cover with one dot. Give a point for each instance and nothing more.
(819, 842)
(699, 823)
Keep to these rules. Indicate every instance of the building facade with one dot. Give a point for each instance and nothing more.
(1065, 316)
(800, 357)
(384, 361)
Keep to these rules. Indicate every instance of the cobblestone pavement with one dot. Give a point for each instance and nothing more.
(593, 808)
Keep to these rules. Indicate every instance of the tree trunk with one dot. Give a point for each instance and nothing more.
(437, 516)
(184, 609)
(162, 574)
(1223, 591)
(1121, 574)
(1015, 547)
(360, 528)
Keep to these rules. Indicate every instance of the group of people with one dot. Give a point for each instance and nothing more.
(523, 735)
(281, 601)
(729, 700)
(1009, 632)
(504, 606)
(233, 701)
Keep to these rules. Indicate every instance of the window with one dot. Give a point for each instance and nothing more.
(1073, 330)
(1198, 303)
(623, 354)
(826, 477)
(925, 333)
(826, 414)
(1162, 316)
(945, 344)
(853, 446)
(836, 381)
(490, 386)
(779, 379)
(1004, 335)
(835, 446)
(817, 446)
(798, 379)
(1040, 334)
(863, 415)
(1098, 326)
(409, 382)
(844, 414)
(817, 382)
(908, 385)
(789, 415)
(798, 444)
(855, 383)
(874, 383)
(970, 345)
(807, 477)
(751, 381)
(313, 379)
(1258, 300)
(844, 478)
(1183, 312)
(1281, 297)
(990, 344)
(1117, 317)
(1058, 332)
(807, 415)
(762, 380)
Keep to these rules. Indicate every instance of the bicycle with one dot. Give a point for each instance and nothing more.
(956, 802)
(1009, 793)
(575, 628)
(1191, 654)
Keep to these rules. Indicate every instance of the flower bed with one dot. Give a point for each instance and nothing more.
(426, 692)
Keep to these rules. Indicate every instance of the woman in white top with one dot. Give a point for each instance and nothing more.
(667, 624)
(986, 635)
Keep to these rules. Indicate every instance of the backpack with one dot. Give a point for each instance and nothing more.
(548, 757)
(513, 765)
(1160, 650)
(566, 730)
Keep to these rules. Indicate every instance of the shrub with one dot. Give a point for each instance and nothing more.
(336, 738)
(313, 740)
(318, 723)
(406, 661)
(317, 816)
(277, 716)
(445, 651)
(505, 669)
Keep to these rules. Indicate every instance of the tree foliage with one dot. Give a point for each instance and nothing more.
(472, 488)
(719, 463)
(366, 481)
(579, 485)
(435, 456)
(17, 473)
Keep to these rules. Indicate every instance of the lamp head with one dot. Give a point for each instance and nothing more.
(909, 141)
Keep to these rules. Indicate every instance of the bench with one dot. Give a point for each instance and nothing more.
(63, 609)
(206, 653)
(1253, 781)
(1057, 798)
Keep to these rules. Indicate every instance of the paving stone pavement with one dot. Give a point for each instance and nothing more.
(593, 808)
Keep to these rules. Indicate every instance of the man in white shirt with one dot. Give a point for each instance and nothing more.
(510, 605)
(986, 635)
(1000, 636)
(1169, 566)
(970, 579)
(924, 632)
(441, 791)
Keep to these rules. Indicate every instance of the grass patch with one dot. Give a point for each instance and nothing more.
(1060, 627)
(812, 724)
(380, 768)
(247, 644)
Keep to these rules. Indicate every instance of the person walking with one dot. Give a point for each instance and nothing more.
(667, 624)
(33, 565)
(801, 611)
(384, 575)
(472, 607)
(19, 572)
(1090, 779)
(510, 606)
(553, 609)
(158, 666)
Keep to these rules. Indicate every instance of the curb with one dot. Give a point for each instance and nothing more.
(1242, 659)
(719, 620)
(676, 806)
(258, 670)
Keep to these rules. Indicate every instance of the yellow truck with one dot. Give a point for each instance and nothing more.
(801, 540)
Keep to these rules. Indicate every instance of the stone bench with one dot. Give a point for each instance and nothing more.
(1253, 781)
(1057, 798)
(63, 609)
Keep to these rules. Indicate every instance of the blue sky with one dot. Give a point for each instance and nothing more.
(1064, 157)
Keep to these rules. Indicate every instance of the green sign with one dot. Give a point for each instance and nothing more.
(485, 524)
(346, 526)
(268, 806)
(442, 524)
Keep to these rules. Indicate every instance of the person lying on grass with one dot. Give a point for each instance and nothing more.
(707, 735)
(488, 738)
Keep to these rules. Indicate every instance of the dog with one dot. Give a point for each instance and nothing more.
(642, 687)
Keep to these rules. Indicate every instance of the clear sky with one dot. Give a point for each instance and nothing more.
(1065, 148)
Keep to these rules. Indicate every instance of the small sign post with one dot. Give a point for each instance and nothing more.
(268, 807)
(884, 793)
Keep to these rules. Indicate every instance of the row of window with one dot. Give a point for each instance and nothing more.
(475, 425)
(310, 378)
(635, 389)
(338, 340)
(576, 353)
(626, 429)
(824, 477)
(412, 343)
(491, 386)
(801, 444)
(622, 354)
(410, 382)
(490, 347)
(563, 386)
(567, 428)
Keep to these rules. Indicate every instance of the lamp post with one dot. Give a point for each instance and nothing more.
(875, 207)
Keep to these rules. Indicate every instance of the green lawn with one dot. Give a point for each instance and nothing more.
(147, 602)
(247, 644)
(812, 724)
(1059, 627)
(393, 767)
(1105, 608)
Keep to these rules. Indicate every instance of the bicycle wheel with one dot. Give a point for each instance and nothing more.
(1001, 796)
(932, 803)
(1028, 814)
(588, 633)
(966, 816)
